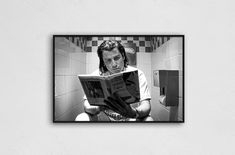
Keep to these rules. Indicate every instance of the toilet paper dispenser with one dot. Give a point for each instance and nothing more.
(168, 81)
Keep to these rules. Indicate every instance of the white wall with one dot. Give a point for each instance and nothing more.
(26, 76)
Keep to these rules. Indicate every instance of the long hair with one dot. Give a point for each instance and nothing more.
(109, 45)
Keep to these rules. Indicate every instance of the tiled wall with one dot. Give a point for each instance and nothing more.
(143, 44)
(167, 57)
(70, 60)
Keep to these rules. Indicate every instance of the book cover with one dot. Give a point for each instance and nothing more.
(99, 88)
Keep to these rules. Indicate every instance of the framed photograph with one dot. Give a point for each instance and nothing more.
(118, 78)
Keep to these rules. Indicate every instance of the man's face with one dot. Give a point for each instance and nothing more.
(113, 61)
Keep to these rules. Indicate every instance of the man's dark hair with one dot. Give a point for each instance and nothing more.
(109, 45)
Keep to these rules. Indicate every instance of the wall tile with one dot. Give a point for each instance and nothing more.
(174, 63)
(148, 49)
(71, 114)
(142, 38)
(160, 55)
(130, 38)
(62, 64)
(88, 49)
(100, 38)
(130, 42)
(77, 98)
(137, 43)
(142, 43)
(155, 91)
(59, 85)
(94, 49)
(92, 62)
(61, 45)
(135, 38)
(167, 63)
(171, 49)
(78, 56)
(69, 83)
(106, 38)
(147, 43)
(94, 43)
(118, 38)
(78, 50)
(180, 45)
(61, 52)
(144, 64)
(158, 62)
(163, 114)
(89, 43)
(61, 105)
(77, 67)
(94, 38)
(143, 58)
(124, 38)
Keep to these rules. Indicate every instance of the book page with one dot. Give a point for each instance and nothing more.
(94, 89)
(126, 85)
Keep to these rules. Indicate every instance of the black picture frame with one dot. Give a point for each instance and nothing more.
(157, 41)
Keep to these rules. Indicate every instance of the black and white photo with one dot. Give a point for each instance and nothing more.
(81, 97)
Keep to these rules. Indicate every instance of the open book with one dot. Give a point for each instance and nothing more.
(124, 84)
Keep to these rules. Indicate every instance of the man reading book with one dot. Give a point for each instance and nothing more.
(113, 59)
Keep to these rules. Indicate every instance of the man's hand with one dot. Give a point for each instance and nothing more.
(116, 104)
